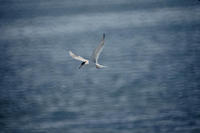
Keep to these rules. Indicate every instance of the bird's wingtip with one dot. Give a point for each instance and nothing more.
(104, 35)
(70, 53)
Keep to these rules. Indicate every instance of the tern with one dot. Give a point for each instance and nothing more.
(95, 55)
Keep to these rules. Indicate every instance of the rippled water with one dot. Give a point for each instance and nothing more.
(151, 84)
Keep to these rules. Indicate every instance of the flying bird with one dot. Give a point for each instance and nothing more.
(95, 55)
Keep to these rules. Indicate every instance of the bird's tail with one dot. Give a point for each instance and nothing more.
(99, 66)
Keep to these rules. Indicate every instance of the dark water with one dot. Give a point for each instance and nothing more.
(152, 50)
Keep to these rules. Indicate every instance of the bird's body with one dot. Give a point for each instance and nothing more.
(95, 55)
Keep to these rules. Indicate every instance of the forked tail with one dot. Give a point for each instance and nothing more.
(99, 66)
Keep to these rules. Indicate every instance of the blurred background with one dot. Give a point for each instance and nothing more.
(151, 84)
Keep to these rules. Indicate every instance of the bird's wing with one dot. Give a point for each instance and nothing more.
(97, 51)
(77, 57)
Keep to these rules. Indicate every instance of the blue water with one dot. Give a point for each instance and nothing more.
(151, 84)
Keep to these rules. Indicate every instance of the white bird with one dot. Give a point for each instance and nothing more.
(95, 55)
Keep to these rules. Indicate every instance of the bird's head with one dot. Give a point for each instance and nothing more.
(86, 62)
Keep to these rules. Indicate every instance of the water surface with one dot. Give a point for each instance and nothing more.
(151, 49)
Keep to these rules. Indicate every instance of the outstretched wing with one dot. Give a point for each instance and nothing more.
(97, 51)
(77, 57)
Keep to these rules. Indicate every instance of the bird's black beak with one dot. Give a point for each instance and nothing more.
(83, 63)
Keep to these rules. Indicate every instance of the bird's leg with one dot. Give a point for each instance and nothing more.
(83, 63)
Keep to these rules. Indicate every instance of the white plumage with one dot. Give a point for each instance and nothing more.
(95, 55)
